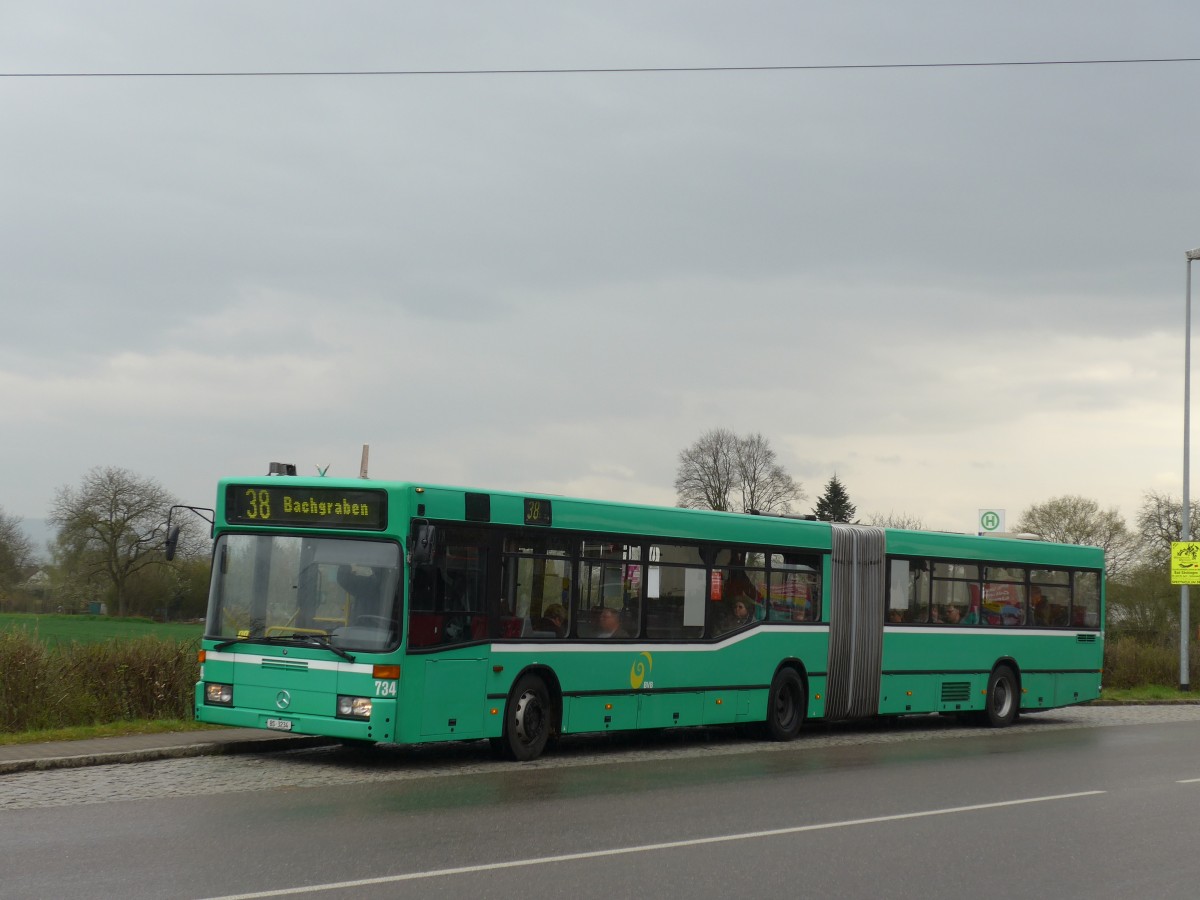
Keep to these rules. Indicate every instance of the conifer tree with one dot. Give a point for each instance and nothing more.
(834, 504)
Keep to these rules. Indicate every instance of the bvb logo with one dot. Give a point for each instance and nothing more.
(639, 671)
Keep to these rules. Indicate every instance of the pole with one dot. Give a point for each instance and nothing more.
(1184, 625)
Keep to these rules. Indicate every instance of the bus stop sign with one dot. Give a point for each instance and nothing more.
(1185, 562)
(991, 521)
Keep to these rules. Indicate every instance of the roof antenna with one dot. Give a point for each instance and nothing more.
(362, 469)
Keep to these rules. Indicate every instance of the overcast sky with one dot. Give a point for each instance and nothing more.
(956, 287)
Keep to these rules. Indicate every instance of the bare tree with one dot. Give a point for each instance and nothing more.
(765, 485)
(16, 551)
(111, 526)
(896, 520)
(1077, 520)
(1160, 521)
(724, 471)
(705, 477)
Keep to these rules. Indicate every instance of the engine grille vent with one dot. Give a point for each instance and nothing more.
(287, 665)
(956, 691)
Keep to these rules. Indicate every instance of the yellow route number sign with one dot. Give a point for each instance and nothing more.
(1185, 562)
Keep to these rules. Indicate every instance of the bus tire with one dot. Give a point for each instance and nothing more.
(786, 706)
(527, 719)
(1003, 697)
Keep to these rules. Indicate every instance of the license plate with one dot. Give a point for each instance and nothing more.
(279, 724)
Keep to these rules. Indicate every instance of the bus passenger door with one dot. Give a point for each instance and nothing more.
(453, 697)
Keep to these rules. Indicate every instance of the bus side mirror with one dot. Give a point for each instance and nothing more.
(171, 543)
(424, 540)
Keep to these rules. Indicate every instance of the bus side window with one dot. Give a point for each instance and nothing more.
(1086, 602)
(463, 601)
(424, 589)
(908, 590)
(900, 599)
(424, 629)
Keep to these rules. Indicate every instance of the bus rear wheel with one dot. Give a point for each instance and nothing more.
(1003, 697)
(786, 706)
(526, 720)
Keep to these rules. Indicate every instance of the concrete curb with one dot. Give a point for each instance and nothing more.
(149, 754)
(1141, 703)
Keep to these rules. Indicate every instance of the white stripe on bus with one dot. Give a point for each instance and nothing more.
(602, 645)
(254, 659)
(607, 645)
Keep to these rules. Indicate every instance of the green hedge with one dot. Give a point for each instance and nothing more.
(61, 686)
(1133, 663)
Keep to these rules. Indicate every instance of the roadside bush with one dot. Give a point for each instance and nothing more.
(89, 684)
(1131, 663)
(24, 675)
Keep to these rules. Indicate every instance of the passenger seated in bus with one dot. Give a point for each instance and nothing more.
(608, 623)
(739, 584)
(949, 616)
(554, 619)
(739, 614)
(895, 615)
(1037, 606)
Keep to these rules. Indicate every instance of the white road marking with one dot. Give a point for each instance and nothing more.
(645, 848)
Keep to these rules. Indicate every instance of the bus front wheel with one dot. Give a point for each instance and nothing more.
(526, 720)
(1003, 697)
(786, 707)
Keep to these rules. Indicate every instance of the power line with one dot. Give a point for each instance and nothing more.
(359, 73)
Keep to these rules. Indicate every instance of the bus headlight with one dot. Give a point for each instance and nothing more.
(354, 707)
(218, 694)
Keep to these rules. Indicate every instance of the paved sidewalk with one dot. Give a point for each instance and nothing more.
(141, 747)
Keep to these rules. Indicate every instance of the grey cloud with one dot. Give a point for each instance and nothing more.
(525, 278)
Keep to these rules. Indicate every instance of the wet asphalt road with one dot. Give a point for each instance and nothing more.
(1095, 802)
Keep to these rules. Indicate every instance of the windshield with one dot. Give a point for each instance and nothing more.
(276, 587)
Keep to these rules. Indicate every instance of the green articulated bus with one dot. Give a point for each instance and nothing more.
(380, 611)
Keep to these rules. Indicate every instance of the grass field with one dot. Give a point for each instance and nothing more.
(54, 630)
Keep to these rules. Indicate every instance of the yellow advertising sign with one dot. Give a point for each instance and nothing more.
(1185, 562)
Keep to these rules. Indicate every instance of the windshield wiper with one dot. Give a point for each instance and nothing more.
(311, 640)
(253, 639)
(321, 640)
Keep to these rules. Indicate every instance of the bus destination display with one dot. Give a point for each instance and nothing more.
(305, 507)
(537, 512)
